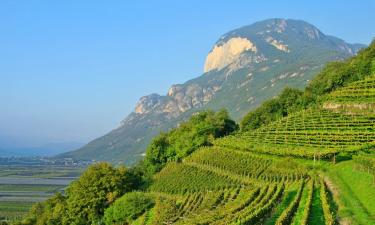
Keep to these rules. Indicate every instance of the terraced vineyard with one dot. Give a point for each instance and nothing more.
(360, 91)
(219, 185)
(270, 175)
(310, 133)
(356, 98)
(345, 123)
(315, 166)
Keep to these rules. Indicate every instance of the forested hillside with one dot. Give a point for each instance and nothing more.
(305, 157)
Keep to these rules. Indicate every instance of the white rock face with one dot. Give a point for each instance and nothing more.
(277, 44)
(223, 55)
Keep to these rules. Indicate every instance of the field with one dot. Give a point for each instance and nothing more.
(29, 181)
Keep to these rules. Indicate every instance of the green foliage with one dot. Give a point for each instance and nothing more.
(181, 178)
(228, 183)
(362, 91)
(271, 110)
(51, 212)
(259, 212)
(178, 143)
(366, 162)
(333, 76)
(356, 199)
(246, 165)
(127, 208)
(287, 215)
(97, 187)
(307, 209)
(328, 217)
(86, 198)
(338, 74)
(299, 135)
(165, 208)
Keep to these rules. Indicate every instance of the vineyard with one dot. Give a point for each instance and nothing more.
(356, 98)
(308, 134)
(358, 92)
(270, 176)
(217, 185)
(315, 166)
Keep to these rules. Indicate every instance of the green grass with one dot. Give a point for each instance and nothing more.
(30, 187)
(316, 214)
(356, 193)
(13, 210)
(15, 206)
(39, 171)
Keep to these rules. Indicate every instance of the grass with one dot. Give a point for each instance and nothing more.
(38, 171)
(316, 216)
(356, 193)
(15, 206)
(30, 187)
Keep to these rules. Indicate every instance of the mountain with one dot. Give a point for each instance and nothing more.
(245, 67)
(313, 165)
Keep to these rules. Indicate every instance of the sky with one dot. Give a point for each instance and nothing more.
(70, 71)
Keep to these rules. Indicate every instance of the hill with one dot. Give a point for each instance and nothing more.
(231, 182)
(295, 170)
(313, 165)
(245, 67)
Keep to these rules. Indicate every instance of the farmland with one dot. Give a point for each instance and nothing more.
(29, 181)
(296, 170)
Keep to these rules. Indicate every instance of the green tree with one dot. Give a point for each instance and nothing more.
(96, 188)
(180, 142)
(50, 212)
(289, 100)
(334, 75)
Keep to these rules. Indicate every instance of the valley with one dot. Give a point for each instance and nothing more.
(26, 181)
(280, 129)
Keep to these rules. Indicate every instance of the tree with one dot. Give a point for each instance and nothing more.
(180, 142)
(99, 186)
(333, 76)
(289, 100)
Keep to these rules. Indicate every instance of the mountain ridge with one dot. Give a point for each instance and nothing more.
(257, 63)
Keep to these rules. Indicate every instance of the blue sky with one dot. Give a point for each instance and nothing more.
(72, 70)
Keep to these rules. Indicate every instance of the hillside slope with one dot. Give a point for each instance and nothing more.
(245, 67)
(315, 165)
(294, 171)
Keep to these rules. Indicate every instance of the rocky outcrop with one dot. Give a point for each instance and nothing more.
(179, 99)
(226, 53)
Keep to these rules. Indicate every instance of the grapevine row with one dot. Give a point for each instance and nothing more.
(287, 215)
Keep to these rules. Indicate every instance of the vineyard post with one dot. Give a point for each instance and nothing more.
(314, 157)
